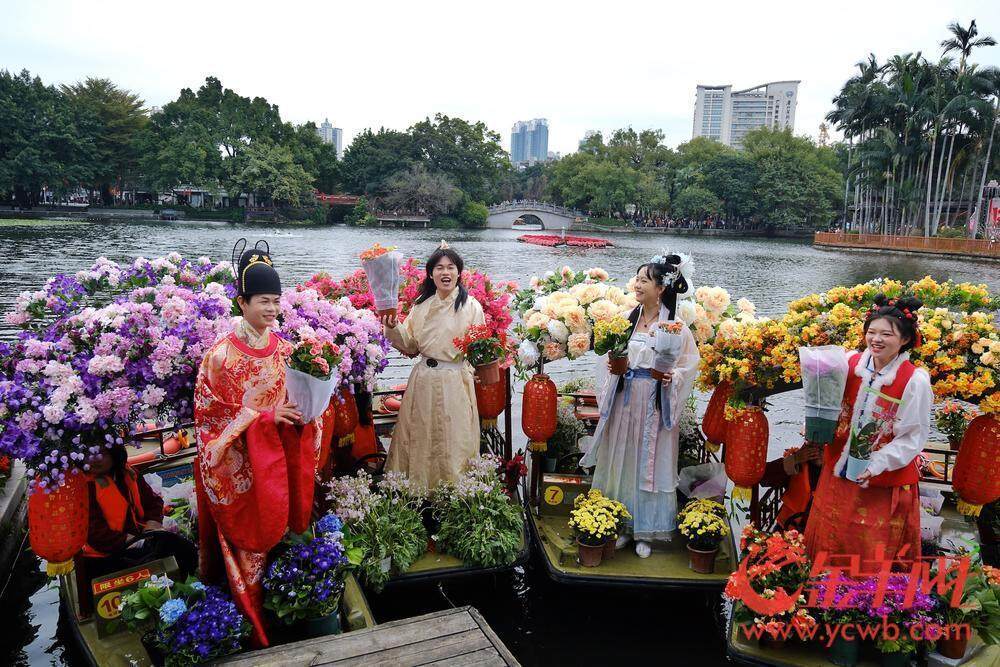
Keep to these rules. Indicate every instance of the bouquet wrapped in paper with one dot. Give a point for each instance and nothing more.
(312, 376)
(381, 266)
(667, 342)
(824, 376)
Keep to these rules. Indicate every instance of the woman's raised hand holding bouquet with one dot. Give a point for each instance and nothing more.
(381, 265)
(312, 376)
(611, 338)
(486, 351)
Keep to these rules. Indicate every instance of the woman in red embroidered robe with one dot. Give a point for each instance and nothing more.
(887, 400)
(246, 437)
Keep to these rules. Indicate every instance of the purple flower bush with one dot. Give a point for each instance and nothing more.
(895, 608)
(358, 333)
(100, 348)
(209, 629)
(306, 579)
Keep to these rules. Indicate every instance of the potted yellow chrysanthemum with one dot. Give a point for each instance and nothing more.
(703, 522)
(597, 521)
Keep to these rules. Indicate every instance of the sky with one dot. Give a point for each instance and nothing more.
(582, 65)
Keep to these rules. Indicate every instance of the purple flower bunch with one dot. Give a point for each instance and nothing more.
(306, 579)
(211, 628)
(903, 602)
(358, 333)
(99, 350)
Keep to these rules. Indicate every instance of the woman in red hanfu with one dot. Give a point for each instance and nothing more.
(887, 404)
(255, 468)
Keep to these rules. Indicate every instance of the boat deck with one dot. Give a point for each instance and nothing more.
(433, 566)
(451, 637)
(667, 567)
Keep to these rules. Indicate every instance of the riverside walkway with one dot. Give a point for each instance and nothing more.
(978, 248)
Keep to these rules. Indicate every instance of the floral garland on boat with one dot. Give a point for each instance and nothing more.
(960, 349)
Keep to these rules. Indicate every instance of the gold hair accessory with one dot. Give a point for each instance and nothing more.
(444, 245)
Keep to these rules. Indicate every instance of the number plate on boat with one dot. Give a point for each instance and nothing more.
(559, 492)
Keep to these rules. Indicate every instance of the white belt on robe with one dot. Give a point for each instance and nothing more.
(439, 365)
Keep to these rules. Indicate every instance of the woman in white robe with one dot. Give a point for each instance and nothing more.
(636, 442)
(438, 427)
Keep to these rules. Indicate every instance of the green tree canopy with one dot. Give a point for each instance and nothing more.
(45, 140)
(696, 203)
(120, 119)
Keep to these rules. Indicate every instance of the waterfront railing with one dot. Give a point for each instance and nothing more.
(968, 247)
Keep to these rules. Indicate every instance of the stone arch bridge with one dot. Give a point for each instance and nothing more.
(549, 216)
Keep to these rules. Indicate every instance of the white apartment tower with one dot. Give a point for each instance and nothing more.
(726, 115)
(332, 135)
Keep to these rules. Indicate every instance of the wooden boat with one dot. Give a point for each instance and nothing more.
(956, 533)
(666, 568)
(126, 648)
(433, 566)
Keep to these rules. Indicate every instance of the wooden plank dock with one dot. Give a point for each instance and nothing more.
(452, 637)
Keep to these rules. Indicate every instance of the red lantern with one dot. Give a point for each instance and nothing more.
(58, 521)
(714, 422)
(491, 399)
(538, 411)
(976, 478)
(746, 450)
(346, 419)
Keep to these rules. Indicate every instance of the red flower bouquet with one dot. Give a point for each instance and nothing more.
(486, 350)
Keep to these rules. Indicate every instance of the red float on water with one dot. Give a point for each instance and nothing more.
(551, 241)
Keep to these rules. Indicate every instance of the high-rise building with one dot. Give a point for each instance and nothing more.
(726, 115)
(529, 141)
(332, 135)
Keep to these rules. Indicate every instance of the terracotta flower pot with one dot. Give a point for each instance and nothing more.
(701, 561)
(619, 365)
(953, 648)
(954, 443)
(488, 374)
(657, 375)
(609, 549)
(387, 311)
(590, 556)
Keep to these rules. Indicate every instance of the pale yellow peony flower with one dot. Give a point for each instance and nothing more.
(746, 306)
(537, 319)
(603, 309)
(727, 328)
(703, 331)
(586, 293)
(597, 274)
(630, 285)
(578, 344)
(576, 320)
(554, 351)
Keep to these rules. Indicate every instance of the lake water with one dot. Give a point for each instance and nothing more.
(541, 622)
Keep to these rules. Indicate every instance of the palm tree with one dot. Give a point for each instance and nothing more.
(964, 40)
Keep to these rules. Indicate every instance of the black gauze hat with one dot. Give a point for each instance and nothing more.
(255, 273)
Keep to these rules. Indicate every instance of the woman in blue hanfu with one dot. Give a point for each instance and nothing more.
(636, 441)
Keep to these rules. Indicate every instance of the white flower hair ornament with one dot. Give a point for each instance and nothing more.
(681, 266)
